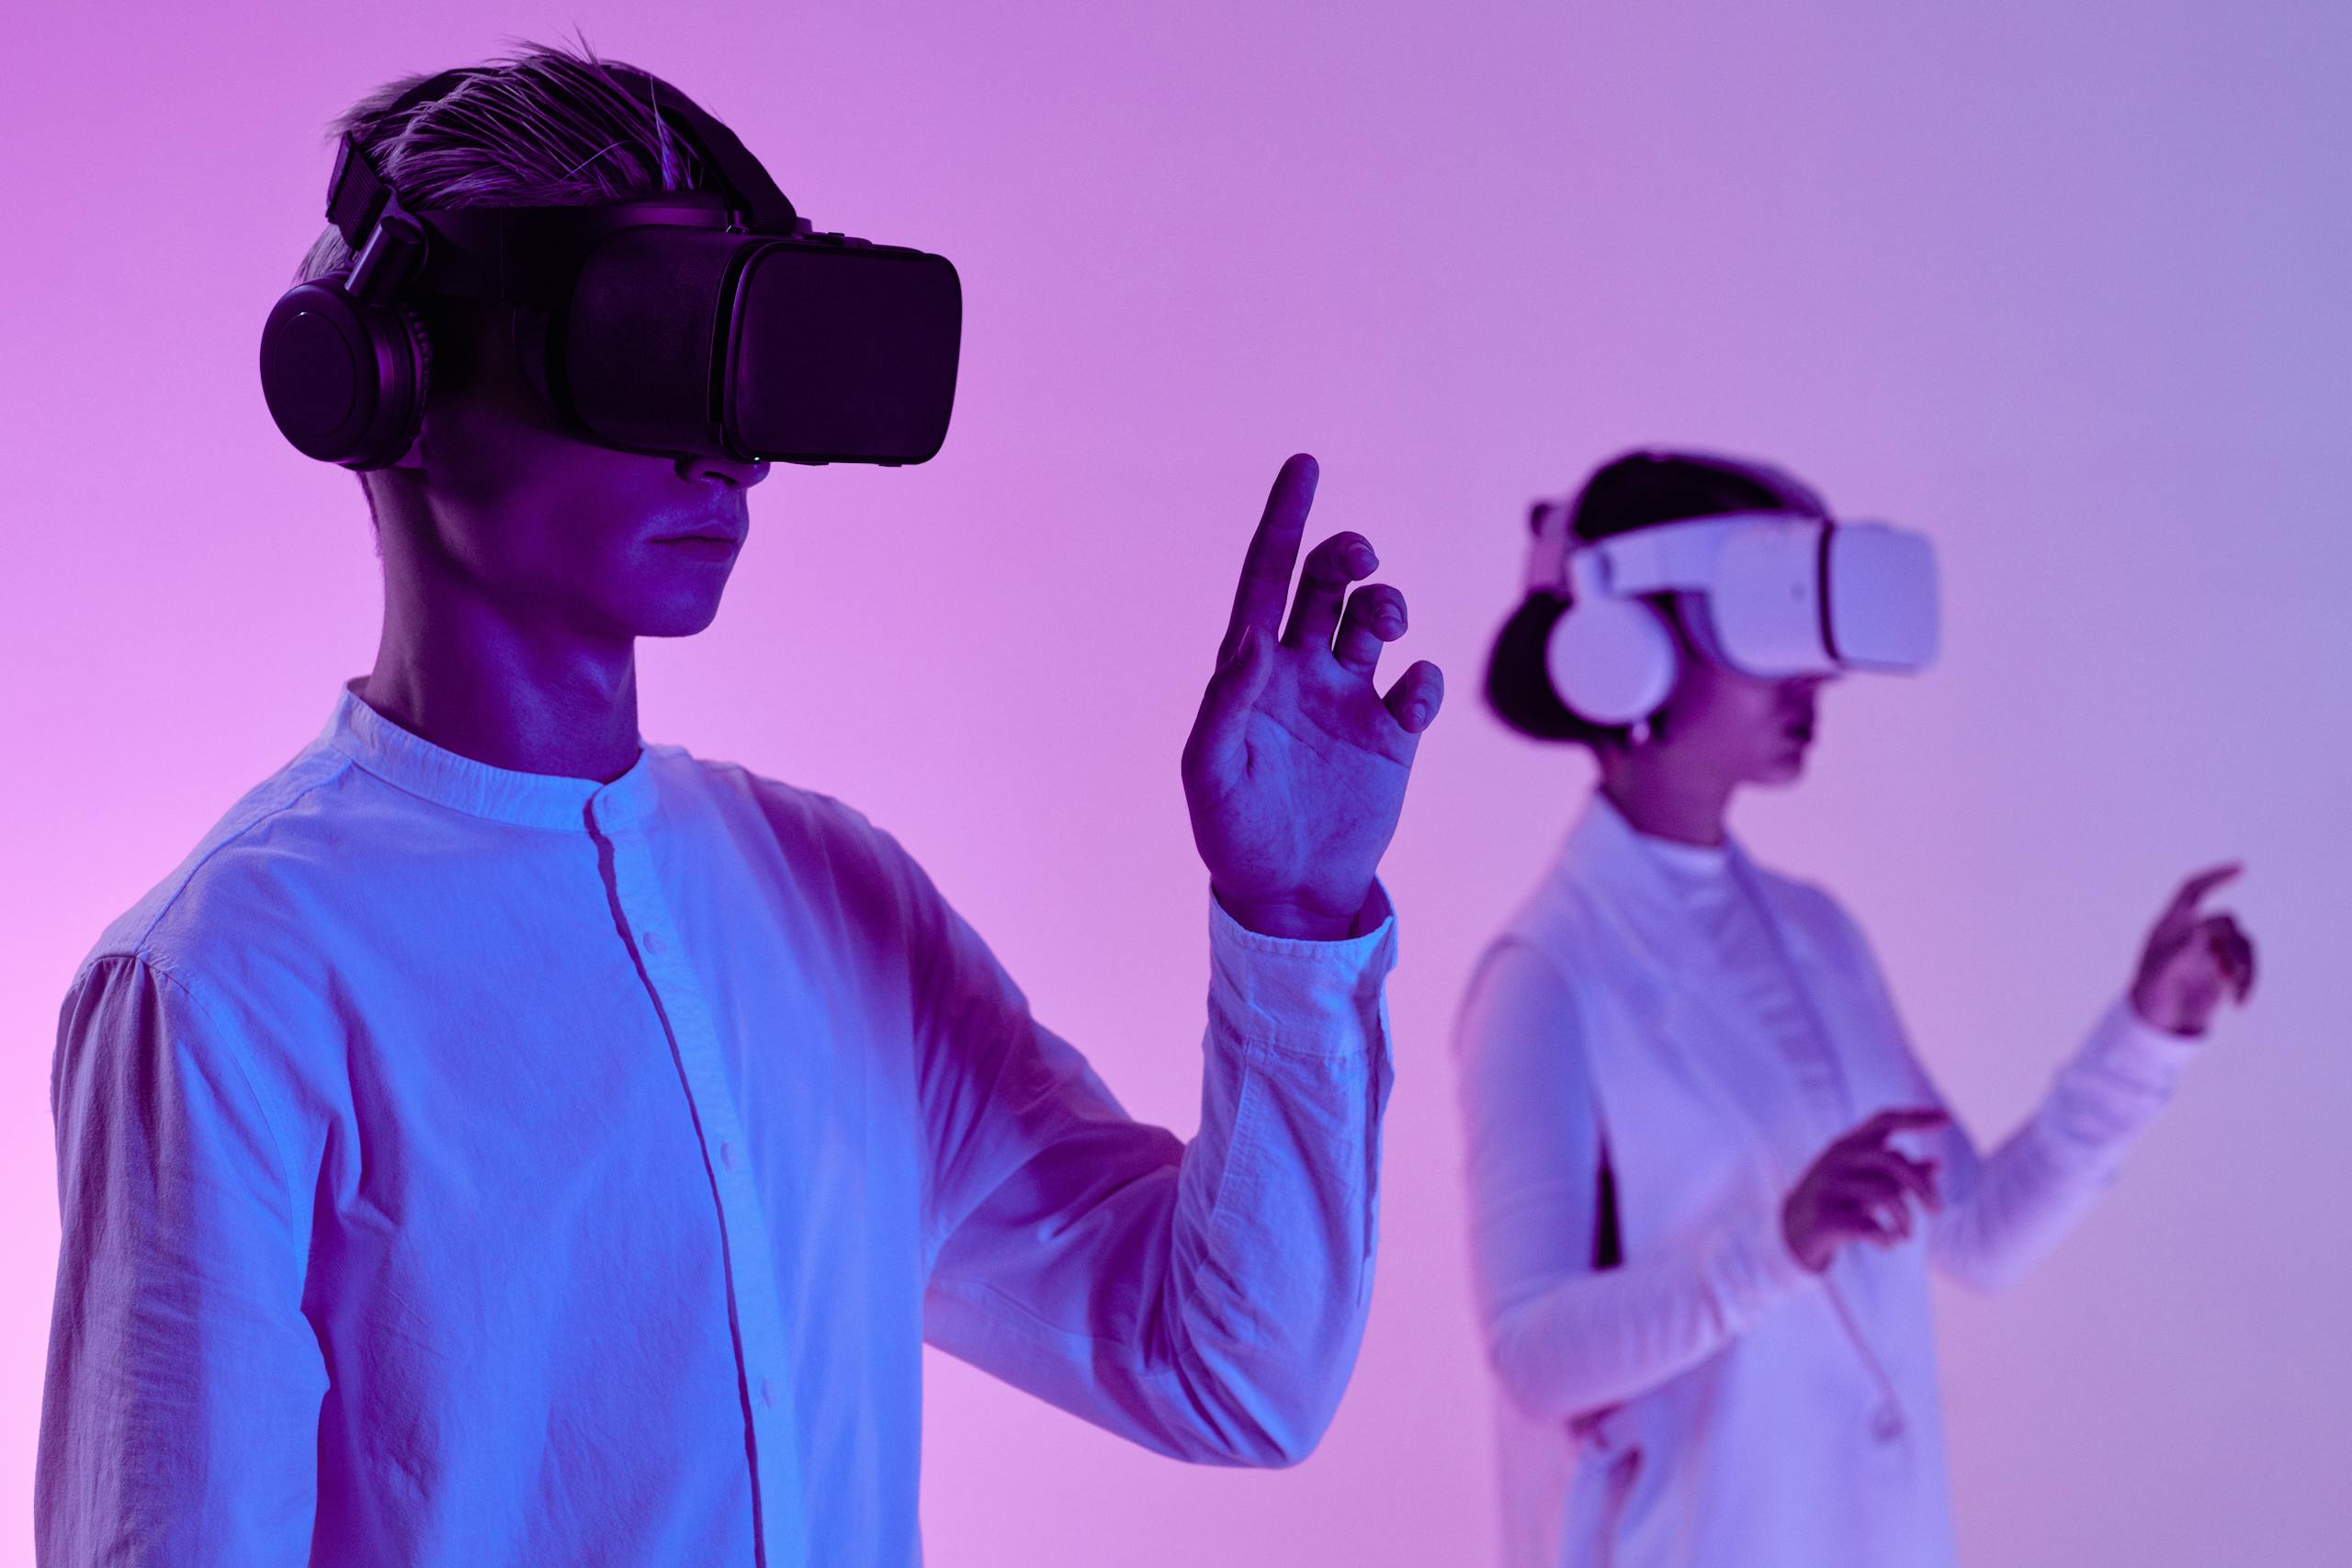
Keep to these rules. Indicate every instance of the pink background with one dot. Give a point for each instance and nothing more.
(2062, 285)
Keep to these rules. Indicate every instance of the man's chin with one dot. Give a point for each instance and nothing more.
(683, 615)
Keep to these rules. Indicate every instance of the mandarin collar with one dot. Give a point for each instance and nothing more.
(413, 764)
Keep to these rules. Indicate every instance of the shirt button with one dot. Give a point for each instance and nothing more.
(1886, 1422)
(651, 942)
(767, 1393)
(727, 1156)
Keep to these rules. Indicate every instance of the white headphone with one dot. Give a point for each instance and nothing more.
(1786, 593)
(1611, 660)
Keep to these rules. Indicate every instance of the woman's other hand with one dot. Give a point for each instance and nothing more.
(1860, 1190)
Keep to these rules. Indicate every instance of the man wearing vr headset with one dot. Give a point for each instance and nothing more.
(1700, 1244)
(505, 1142)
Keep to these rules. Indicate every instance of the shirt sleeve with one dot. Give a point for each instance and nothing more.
(1567, 1339)
(179, 1423)
(1205, 1300)
(2004, 1211)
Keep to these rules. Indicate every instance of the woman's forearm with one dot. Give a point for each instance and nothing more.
(2029, 1192)
(1596, 1340)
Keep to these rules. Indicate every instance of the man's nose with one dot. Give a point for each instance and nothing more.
(723, 471)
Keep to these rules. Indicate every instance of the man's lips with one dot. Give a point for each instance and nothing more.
(714, 534)
(712, 549)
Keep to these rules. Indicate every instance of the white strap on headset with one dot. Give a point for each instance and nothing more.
(1646, 560)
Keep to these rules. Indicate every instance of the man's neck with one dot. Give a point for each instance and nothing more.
(471, 679)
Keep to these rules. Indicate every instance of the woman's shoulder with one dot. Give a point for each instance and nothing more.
(1556, 916)
(1558, 951)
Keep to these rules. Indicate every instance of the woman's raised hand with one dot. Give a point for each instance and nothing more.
(2193, 960)
(1860, 1190)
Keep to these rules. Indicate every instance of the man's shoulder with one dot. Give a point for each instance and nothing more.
(802, 821)
(856, 876)
(222, 886)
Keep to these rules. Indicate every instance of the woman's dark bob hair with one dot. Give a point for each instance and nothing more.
(1638, 490)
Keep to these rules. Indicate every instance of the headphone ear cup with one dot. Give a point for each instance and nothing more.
(1612, 661)
(345, 380)
(403, 417)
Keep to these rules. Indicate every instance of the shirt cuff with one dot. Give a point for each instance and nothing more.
(1751, 1268)
(1316, 997)
(2124, 1043)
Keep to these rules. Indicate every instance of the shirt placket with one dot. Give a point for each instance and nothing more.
(754, 1314)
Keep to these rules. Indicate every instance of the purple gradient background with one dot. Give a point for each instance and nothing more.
(2063, 285)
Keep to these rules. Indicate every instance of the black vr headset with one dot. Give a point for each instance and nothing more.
(710, 323)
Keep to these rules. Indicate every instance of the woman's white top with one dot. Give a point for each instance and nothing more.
(1711, 1026)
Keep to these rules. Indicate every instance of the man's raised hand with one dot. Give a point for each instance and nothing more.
(1295, 768)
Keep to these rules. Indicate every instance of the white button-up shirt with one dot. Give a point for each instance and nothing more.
(460, 1166)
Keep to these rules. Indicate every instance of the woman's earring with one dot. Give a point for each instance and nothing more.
(1640, 735)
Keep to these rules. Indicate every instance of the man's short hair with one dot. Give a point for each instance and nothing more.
(547, 126)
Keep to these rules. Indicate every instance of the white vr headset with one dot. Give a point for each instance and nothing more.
(1785, 595)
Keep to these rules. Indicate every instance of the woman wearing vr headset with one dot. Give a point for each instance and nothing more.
(1707, 1174)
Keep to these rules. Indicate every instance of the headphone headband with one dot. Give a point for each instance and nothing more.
(357, 193)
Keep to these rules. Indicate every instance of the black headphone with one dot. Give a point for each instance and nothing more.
(345, 366)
